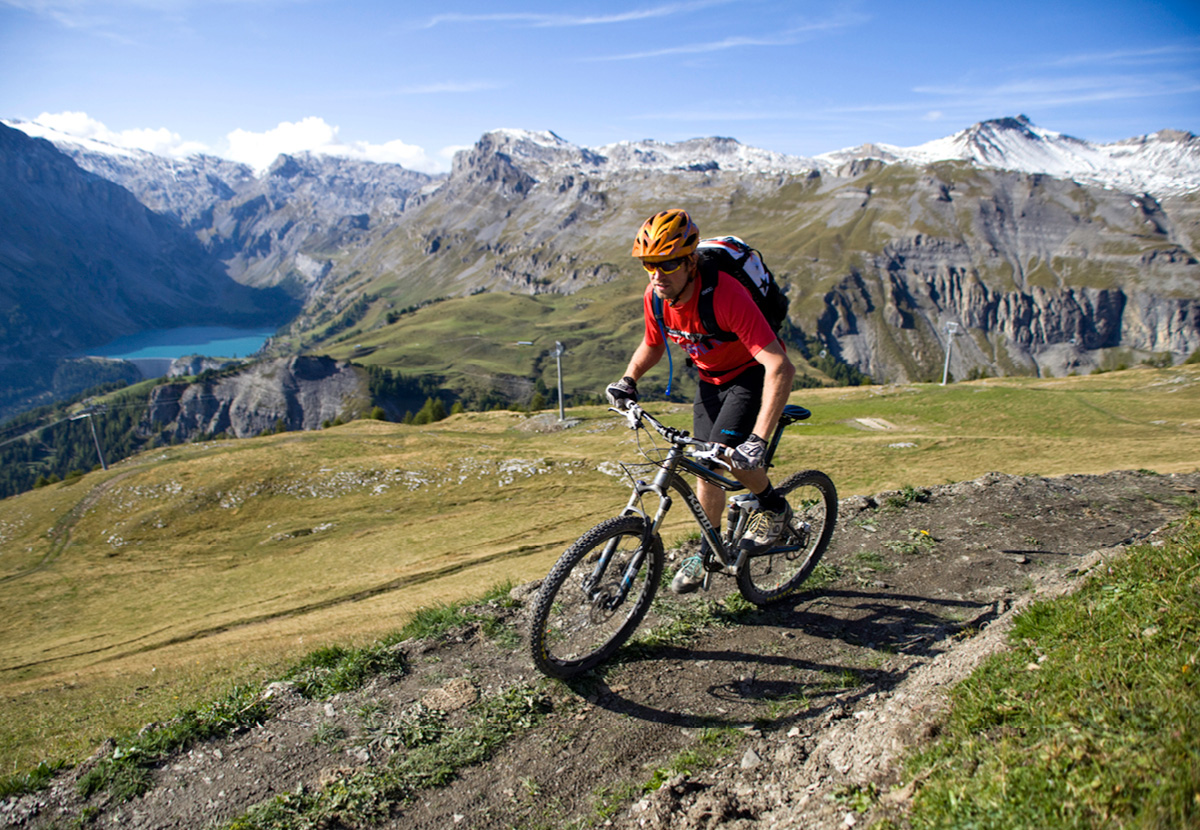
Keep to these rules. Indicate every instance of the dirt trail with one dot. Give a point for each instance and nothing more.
(60, 534)
(807, 699)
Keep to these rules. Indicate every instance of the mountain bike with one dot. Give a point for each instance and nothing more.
(600, 589)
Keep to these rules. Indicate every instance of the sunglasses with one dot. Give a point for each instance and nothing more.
(669, 266)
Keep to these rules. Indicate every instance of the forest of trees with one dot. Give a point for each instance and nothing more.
(46, 445)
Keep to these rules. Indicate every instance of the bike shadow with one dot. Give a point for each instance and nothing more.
(777, 690)
(910, 624)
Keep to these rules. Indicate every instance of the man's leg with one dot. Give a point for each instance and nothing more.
(733, 411)
(755, 480)
(705, 413)
(769, 522)
(712, 499)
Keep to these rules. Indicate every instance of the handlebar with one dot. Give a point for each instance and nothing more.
(697, 449)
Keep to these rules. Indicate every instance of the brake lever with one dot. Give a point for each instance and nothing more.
(629, 413)
(716, 453)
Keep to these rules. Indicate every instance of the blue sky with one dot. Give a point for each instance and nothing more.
(410, 82)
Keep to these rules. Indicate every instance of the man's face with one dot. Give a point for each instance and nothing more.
(669, 279)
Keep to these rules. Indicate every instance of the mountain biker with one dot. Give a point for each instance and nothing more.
(744, 383)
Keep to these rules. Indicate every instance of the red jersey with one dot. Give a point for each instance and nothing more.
(736, 312)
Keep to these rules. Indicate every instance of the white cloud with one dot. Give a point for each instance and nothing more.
(314, 135)
(260, 149)
(392, 152)
(160, 141)
(257, 149)
(788, 37)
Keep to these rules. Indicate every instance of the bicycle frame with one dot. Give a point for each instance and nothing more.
(583, 613)
(668, 478)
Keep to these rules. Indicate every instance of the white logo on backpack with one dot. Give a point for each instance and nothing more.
(736, 248)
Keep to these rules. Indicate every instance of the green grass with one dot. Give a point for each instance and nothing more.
(368, 794)
(710, 747)
(333, 669)
(322, 673)
(435, 620)
(908, 495)
(683, 620)
(125, 773)
(35, 779)
(1091, 719)
(914, 543)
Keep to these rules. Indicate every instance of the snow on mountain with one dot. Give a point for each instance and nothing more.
(60, 139)
(697, 154)
(702, 154)
(1163, 163)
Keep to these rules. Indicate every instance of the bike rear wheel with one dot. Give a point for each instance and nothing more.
(777, 574)
(582, 615)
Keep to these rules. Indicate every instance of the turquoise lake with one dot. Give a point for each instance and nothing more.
(211, 341)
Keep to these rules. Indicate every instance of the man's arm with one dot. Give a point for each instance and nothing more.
(646, 356)
(777, 385)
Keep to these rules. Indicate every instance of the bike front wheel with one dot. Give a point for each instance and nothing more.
(779, 572)
(595, 596)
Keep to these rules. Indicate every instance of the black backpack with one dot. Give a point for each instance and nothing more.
(739, 260)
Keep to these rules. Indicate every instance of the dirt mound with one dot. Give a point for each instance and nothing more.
(775, 718)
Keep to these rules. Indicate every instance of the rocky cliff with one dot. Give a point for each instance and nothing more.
(1043, 276)
(292, 394)
(288, 226)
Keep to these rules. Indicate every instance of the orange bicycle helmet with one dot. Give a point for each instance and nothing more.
(666, 235)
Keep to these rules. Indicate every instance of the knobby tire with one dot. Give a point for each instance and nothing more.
(771, 577)
(575, 625)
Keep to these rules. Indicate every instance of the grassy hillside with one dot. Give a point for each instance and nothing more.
(128, 593)
(477, 339)
(498, 341)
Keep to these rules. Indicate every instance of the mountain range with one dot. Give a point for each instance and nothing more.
(1053, 254)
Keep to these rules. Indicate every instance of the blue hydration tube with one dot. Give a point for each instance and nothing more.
(670, 362)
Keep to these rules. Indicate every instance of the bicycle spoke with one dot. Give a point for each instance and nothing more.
(778, 573)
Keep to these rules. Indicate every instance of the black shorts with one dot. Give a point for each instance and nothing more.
(726, 414)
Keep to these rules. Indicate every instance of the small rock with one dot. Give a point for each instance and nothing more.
(751, 759)
(457, 694)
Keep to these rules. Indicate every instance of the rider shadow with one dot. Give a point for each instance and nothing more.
(597, 690)
(884, 623)
(889, 622)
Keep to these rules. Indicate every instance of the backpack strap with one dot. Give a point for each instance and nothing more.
(656, 304)
(709, 278)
